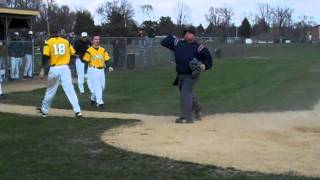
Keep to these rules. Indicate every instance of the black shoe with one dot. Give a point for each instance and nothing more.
(2, 96)
(92, 103)
(101, 107)
(79, 115)
(189, 122)
(180, 120)
(198, 114)
(25, 77)
(41, 112)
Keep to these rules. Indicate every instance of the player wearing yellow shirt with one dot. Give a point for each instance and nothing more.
(98, 59)
(57, 51)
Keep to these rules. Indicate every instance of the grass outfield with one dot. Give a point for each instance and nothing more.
(284, 78)
(69, 148)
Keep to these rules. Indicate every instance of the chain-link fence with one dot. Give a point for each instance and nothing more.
(131, 53)
(128, 53)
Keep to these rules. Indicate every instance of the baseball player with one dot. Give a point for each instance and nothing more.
(16, 53)
(2, 68)
(81, 47)
(189, 58)
(57, 51)
(28, 69)
(98, 59)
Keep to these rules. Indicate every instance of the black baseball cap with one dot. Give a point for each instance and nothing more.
(190, 31)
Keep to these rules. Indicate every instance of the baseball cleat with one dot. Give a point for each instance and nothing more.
(182, 120)
(2, 96)
(189, 122)
(101, 107)
(198, 114)
(79, 114)
(92, 103)
(41, 112)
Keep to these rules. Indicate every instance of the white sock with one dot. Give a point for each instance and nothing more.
(0, 88)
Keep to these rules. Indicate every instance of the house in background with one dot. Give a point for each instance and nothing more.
(315, 34)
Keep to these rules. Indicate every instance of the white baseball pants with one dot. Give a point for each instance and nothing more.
(15, 65)
(28, 66)
(57, 75)
(96, 77)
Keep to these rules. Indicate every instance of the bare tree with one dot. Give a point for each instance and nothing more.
(48, 7)
(183, 13)
(226, 16)
(282, 17)
(21, 4)
(113, 10)
(213, 16)
(265, 12)
(220, 16)
(147, 9)
(53, 15)
(117, 17)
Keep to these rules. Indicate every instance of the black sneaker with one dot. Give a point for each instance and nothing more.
(189, 122)
(198, 114)
(180, 120)
(79, 115)
(41, 112)
(2, 96)
(92, 103)
(101, 107)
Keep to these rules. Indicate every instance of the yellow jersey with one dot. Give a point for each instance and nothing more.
(96, 57)
(59, 50)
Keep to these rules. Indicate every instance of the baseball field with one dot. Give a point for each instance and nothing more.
(261, 122)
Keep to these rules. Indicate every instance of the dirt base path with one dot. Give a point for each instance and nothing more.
(266, 142)
(24, 85)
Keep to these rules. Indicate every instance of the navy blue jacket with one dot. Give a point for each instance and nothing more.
(184, 52)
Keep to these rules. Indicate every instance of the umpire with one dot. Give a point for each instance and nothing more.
(190, 58)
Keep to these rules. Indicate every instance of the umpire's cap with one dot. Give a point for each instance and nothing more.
(190, 30)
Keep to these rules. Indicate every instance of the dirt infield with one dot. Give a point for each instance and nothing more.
(265, 142)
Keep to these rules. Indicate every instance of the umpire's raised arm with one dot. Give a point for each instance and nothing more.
(169, 42)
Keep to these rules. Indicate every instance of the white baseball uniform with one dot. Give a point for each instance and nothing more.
(59, 50)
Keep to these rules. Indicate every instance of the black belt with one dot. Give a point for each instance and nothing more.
(97, 67)
(53, 65)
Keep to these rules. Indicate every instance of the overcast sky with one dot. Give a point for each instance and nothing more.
(199, 8)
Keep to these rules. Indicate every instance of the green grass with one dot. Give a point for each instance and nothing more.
(69, 148)
(283, 78)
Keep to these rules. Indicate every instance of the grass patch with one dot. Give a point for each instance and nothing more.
(69, 148)
(283, 78)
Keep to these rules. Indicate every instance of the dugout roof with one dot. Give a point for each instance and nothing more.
(15, 19)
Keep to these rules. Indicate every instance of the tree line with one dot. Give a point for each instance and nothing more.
(117, 19)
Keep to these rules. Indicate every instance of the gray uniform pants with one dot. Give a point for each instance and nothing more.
(188, 101)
